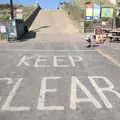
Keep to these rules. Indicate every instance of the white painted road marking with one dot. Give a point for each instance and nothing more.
(6, 106)
(24, 60)
(100, 90)
(45, 61)
(59, 59)
(9, 81)
(74, 100)
(38, 50)
(75, 59)
(39, 60)
(43, 91)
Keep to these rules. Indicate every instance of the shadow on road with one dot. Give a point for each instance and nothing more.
(93, 46)
(42, 27)
(32, 34)
(115, 41)
(28, 36)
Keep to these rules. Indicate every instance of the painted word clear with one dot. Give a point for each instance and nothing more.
(74, 100)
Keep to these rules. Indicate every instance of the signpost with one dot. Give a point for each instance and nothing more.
(11, 9)
(92, 12)
(107, 13)
(89, 12)
(96, 12)
(2, 28)
(19, 14)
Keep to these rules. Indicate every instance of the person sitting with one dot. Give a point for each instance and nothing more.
(88, 39)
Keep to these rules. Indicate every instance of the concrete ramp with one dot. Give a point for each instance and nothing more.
(52, 22)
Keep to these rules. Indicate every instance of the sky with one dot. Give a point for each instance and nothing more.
(50, 3)
(45, 4)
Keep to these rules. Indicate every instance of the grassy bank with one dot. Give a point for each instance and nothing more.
(5, 11)
(76, 10)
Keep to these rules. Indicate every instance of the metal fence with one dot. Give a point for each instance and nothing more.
(93, 25)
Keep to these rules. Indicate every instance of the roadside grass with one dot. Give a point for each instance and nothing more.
(76, 11)
(27, 11)
(5, 12)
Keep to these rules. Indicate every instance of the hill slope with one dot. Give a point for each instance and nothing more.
(5, 11)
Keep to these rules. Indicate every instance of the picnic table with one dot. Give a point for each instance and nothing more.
(114, 34)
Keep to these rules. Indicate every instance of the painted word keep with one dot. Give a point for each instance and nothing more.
(49, 61)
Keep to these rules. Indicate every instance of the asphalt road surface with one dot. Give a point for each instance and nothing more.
(54, 76)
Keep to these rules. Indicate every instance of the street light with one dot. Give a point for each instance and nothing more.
(11, 9)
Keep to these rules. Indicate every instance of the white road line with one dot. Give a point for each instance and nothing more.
(37, 50)
(6, 106)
